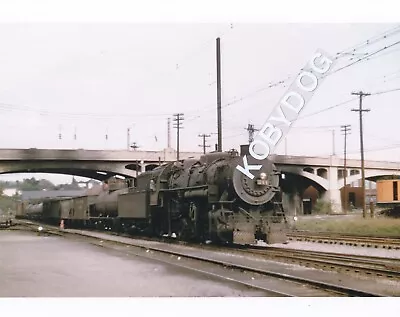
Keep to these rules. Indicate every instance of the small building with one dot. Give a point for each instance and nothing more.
(11, 192)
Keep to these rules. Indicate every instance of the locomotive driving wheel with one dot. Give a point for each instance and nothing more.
(188, 223)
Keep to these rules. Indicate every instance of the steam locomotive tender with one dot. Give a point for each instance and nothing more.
(207, 199)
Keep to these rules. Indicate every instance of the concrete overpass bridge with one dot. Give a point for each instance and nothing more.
(96, 164)
(326, 174)
(323, 173)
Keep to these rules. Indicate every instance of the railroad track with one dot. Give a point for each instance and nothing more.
(346, 239)
(367, 265)
(206, 261)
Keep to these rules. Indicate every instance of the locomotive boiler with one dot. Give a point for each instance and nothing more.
(208, 199)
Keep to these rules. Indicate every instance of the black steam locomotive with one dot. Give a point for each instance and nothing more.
(194, 199)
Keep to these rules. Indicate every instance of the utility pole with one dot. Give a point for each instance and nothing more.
(134, 146)
(74, 133)
(169, 132)
(204, 136)
(178, 119)
(219, 116)
(250, 129)
(346, 129)
(360, 111)
(333, 142)
(128, 139)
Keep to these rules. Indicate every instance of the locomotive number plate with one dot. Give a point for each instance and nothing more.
(262, 182)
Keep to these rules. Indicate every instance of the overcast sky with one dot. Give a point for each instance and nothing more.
(94, 80)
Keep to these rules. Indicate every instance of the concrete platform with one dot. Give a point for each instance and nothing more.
(374, 285)
(49, 266)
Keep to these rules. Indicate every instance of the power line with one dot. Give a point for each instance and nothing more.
(326, 109)
(360, 111)
(234, 101)
(362, 58)
(384, 92)
(281, 82)
(342, 104)
(270, 85)
(383, 54)
(370, 41)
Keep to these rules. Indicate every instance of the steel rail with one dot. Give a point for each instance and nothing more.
(351, 240)
(335, 261)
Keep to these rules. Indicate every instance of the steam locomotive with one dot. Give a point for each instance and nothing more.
(194, 199)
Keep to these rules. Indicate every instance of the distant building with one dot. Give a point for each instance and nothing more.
(11, 192)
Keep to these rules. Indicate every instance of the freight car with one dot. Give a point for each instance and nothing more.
(388, 196)
(34, 211)
(205, 199)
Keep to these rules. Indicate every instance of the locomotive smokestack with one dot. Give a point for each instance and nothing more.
(244, 149)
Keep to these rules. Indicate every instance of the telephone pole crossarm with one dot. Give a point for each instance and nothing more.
(250, 129)
(204, 146)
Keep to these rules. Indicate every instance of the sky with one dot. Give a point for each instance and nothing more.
(96, 80)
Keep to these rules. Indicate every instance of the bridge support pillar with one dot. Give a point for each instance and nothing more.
(292, 203)
(332, 195)
(142, 167)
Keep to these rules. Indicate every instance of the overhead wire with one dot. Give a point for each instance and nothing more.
(327, 109)
(370, 41)
(362, 58)
(384, 91)
(385, 35)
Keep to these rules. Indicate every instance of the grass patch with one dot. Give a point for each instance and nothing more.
(381, 226)
(322, 207)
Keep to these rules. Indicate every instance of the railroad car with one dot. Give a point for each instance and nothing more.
(388, 195)
(33, 211)
(207, 199)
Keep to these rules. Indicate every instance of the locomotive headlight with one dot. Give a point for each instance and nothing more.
(262, 180)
